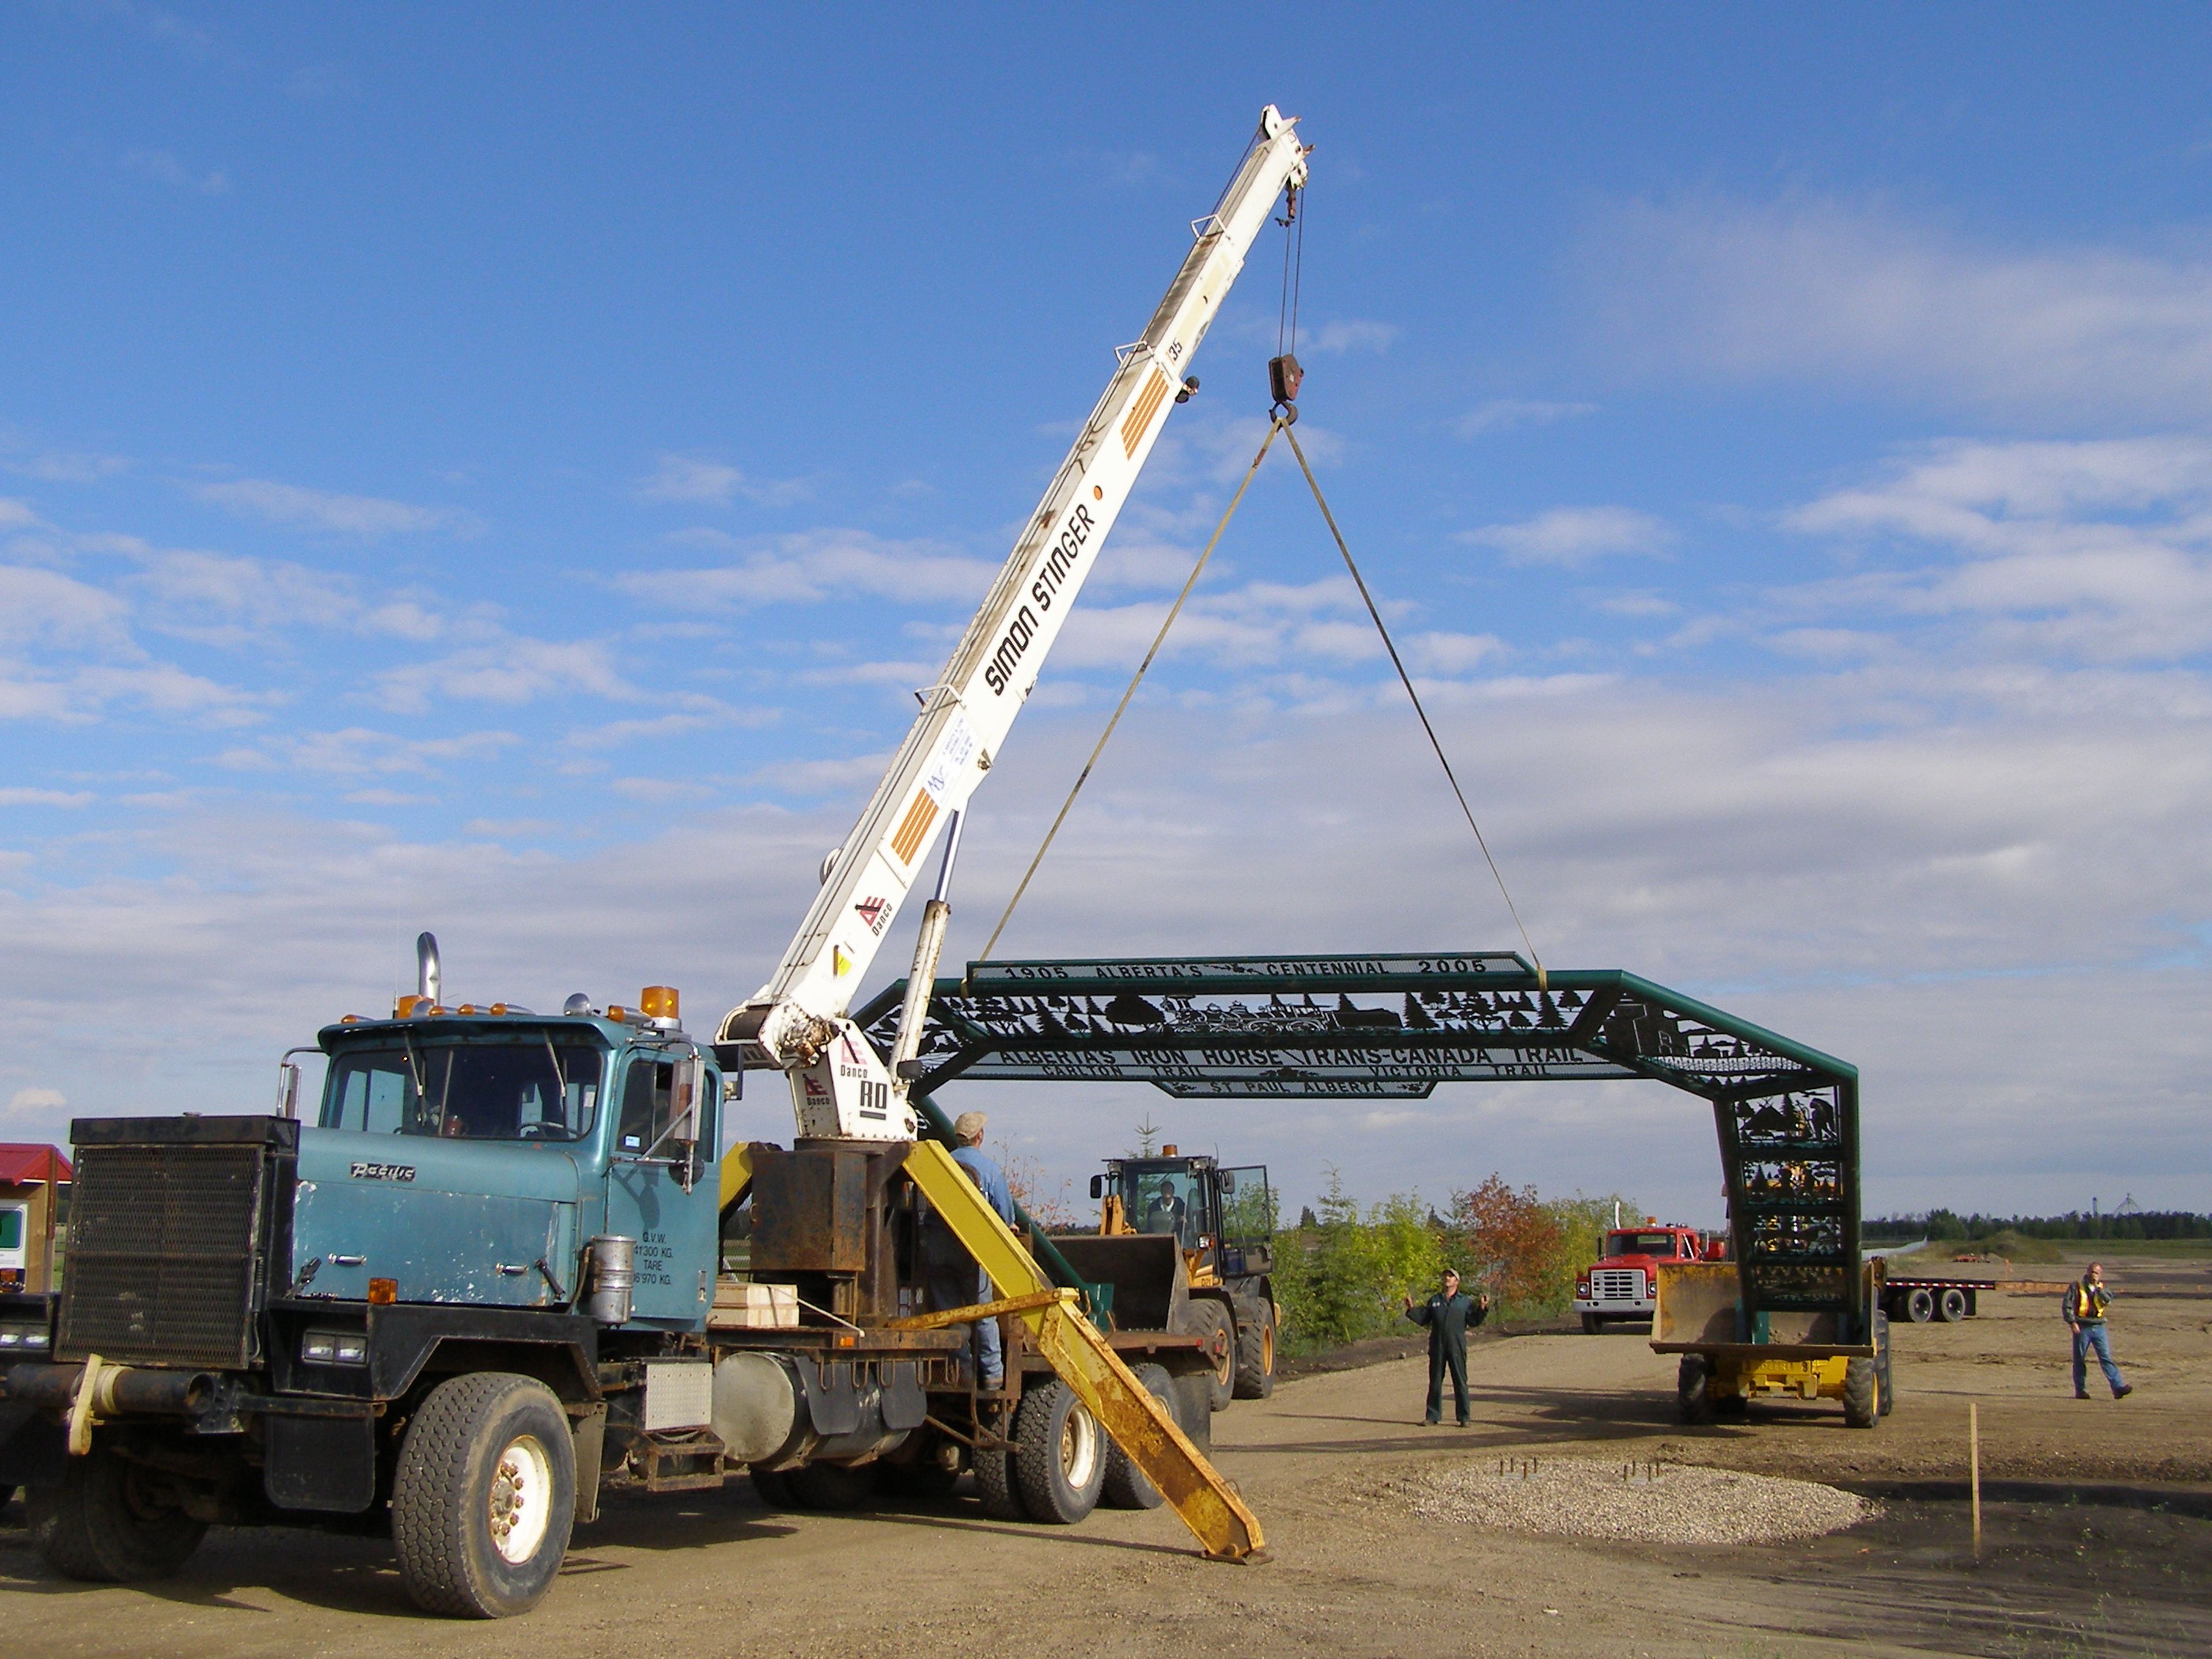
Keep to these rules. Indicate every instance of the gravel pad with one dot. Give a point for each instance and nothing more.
(1681, 1504)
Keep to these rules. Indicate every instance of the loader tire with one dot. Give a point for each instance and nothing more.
(1061, 1463)
(108, 1521)
(1882, 1366)
(1213, 1323)
(1862, 1393)
(1693, 1399)
(484, 1496)
(1127, 1486)
(1256, 1354)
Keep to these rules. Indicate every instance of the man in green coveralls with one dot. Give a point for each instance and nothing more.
(1448, 1314)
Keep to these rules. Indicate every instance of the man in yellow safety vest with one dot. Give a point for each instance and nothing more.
(2087, 1299)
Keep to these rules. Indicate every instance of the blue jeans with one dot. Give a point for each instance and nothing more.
(2086, 1336)
(961, 1286)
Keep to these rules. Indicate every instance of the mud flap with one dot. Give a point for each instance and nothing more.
(326, 1464)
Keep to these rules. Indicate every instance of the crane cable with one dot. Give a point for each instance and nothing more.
(1277, 425)
(1407, 680)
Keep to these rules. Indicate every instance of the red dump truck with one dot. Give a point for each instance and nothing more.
(1619, 1284)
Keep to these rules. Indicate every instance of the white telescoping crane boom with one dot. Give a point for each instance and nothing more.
(797, 1021)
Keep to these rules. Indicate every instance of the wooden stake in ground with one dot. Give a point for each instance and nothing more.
(1974, 1462)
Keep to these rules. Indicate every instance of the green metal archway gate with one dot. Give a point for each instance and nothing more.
(1392, 1027)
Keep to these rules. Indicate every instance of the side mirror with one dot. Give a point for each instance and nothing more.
(288, 1088)
(1229, 1180)
(1098, 1186)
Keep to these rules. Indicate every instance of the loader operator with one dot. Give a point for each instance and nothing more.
(1448, 1314)
(955, 1280)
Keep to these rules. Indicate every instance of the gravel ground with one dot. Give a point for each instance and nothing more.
(1681, 1504)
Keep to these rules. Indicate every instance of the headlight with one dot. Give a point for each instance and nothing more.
(334, 1348)
(19, 1337)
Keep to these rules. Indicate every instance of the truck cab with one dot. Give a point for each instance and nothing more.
(1620, 1285)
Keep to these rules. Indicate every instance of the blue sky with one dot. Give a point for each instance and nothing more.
(505, 472)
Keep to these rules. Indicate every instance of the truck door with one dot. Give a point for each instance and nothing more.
(661, 1185)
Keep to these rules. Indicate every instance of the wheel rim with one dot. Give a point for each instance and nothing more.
(520, 1506)
(1078, 1446)
(1225, 1362)
(1267, 1349)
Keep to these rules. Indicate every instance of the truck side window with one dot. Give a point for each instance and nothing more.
(371, 1097)
(645, 1105)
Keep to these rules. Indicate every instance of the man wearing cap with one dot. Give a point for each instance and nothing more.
(955, 1279)
(1448, 1314)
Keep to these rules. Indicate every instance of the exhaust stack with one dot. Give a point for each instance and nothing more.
(426, 967)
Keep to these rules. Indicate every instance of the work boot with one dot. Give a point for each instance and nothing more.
(2080, 1394)
(2123, 1391)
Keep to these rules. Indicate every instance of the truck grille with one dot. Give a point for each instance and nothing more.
(1617, 1284)
(164, 1241)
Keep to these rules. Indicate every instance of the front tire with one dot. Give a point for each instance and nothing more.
(1061, 1463)
(109, 1521)
(1256, 1354)
(485, 1495)
(1693, 1399)
(1213, 1323)
(1862, 1393)
(1883, 1387)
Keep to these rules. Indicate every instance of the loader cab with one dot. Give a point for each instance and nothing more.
(1222, 1219)
(467, 1156)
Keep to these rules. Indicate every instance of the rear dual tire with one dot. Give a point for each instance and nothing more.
(1060, 1458)
(109, 1521)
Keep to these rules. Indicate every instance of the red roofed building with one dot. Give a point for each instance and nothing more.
(32, 1197)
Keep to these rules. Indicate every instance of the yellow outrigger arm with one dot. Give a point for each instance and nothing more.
(1125, 1408)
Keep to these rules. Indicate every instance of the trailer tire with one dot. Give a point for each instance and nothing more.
(1127, 1486)
(1951, 1306)
(1592, 1325)
(1862, 1393)
(1920, 1304)
(108, 1521)
(1693, 1400)
(1219, 1330)
(1255, 1355)
(1060, 1461)
(483, 1450)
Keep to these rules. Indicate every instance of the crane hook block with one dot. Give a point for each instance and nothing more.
(1284, 376)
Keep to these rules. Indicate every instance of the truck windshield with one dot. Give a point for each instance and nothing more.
(467, 1091)
(1640, 1244)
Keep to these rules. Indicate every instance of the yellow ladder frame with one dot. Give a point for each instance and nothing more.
(1125, 1408)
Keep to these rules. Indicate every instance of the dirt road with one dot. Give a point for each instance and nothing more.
(2099, 1535)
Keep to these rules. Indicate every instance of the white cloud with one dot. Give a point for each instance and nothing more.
(366, 516)
(62, 468)
(703, 479)
(45, 798)
(164, 169)
(1855, 294)
(1507, 414)
(2100, 550)
(506, 669)
(1573, 535)
(1351, 334)
(24, 1102)
(13, 512)
(830, 564)
(363, 751)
